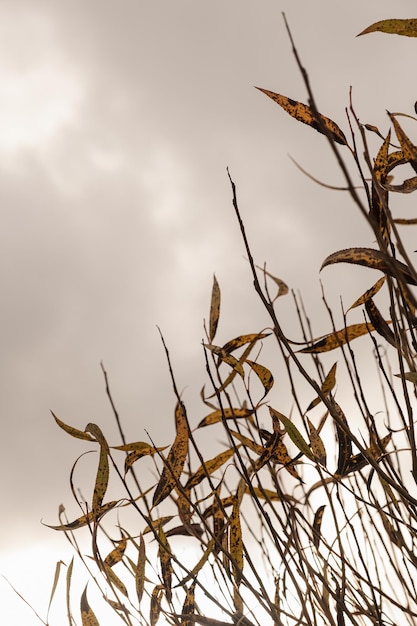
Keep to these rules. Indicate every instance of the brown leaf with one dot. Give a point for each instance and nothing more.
(303, 113)
(318, 518)
(209, 467)
(87, 614)
(327, 386)
(406, 28)
(368, 294)
(338, 338)
(317, 445)
(176, 458)
(378, 322)
(344, 441)
(214, 309)
(220, 414)
(264, 375)
(374, 259)
(409, 150)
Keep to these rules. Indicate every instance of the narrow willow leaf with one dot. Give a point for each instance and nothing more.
(318, 518)
(327, 386)
(164, 555)
(379, 196)
(137, 446)
(344, 441)
(116, 555)
(236, 542)
(115, 580)
(87, 615)
(193, 573)
(220, 414)
(209, 467)
(409, 150)
(249, 443)
(214, 309)
(155, 524)
(176, 458)
(374, 259)
(155, 608)
(102, 477)
(303, 113)
(227, 358)
(54, 585)
(134, 456)
(379, 323)
(85, 519)
(74, 432)
(242, 340)
(68, 592)
(282, 287)
(140, 569)
(404, 27)
(264, 375)
(317, 446)
(295, 436)
(368, 294)
(188, 608)
(190, 530)
(338, 338)
(410, 376)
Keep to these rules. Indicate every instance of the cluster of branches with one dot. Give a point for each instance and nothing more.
(286, 525)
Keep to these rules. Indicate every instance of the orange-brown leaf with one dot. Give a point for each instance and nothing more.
(209, 467)
(369, 293)
(264, 375)
(220, 414)
(374, 259)
(303, 113)
(338, 338)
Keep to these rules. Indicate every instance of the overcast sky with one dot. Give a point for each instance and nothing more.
(118, 119)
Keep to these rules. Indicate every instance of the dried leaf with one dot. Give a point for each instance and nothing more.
(132, 457)
(282, 287)
(87, 615)
(249, 443)
(404, 27)
(242, 340)
(317, 445)
(344, 441)
(214, 309)
(116, 555)
(408, 186)
(140, 570)
(303, 113)
(74, 432)
(368, 294)
(327, 386)
(378, 322)
(85, 519)
(236, 542)
(264, 375)
(102, 476)
(188, 607)
(209, 467)
(115, 580)
(409, 150)
(220, 414)
(338, 338)
(155, 608)
(410, 376)
(176, 458)
(164, 555)
(318, 518)
(371, 258)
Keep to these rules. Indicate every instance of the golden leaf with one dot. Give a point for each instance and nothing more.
(303, 113)
(404, 27)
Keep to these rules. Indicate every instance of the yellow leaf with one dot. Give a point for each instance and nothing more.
(174, 463)
(155, 608)
(220, 414)
(338, 338)
(164, 555)
(368, 294)
(374, 259)
(264, 375)
(242, 340)
(102, 477)
(74, 432)
(317, 445)
(189, 605)
(115, 580)
(209, 467)
(249, 443)
(214, 309)
(116, 555)
(87, 615)
(85, 519)
(236, 542)
(132, 457)
(303, 113)
(140, 570)
(406, 28)
(327, 386)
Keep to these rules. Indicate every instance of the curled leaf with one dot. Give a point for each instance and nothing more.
(406, 28)
(374, 259)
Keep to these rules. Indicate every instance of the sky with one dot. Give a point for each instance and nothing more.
(118, 121)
